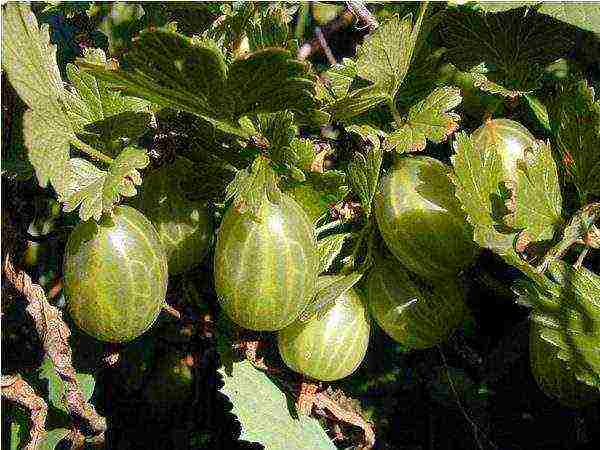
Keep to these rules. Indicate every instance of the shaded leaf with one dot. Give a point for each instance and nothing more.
(506, 51)
(337, 80)
(172, 70)
(575, 123)
(319, 192)
(429, 119)
(250, 390)
(329, 248)
(538, 201)
(569, 316)
(97, 191)
(19, 433)
(363, 175)
(269, 81)
(583, 15)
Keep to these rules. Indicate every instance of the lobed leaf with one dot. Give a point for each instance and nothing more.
(575, 123)
(385, 55)
(477, 177)
(264, 414)
(569, 316)
(580, 14)
(97, 191)
(538, 200)
(363, 175)
(429, 119)
(507, 51)
(329, 248)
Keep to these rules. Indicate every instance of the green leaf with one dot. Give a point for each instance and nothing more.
(56, 387)
(329, 289)
(94, 108)
(48, 143)
(575, 123)
(252, 186)
(264, 412)
(538, 201)
(570, 318)
(268, 81)
(172, 70)
(19, 433)
(539, 110)
(385, 55)
(336, 81)
(271, 29)
(319, 192)
(363, 175)
(97, 191)
(583, 15)
(477, 177)
(329, 248)
(288, 153)
(30, 62)
(429, 119)
(357, 102)
(506, 51)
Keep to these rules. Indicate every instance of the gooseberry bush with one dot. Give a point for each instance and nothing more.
(300, 225)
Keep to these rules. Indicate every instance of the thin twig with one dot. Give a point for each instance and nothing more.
(363, 14)
(325, 46)
(54, 334)
(314, 45)
(17, 390)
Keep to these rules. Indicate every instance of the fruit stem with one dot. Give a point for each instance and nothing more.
(395, 113)
(92, 152)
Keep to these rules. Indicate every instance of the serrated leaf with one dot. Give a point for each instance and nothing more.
(363, 175)
(357, 102)
(252, 186)
(48, 143)
(329, 248)
(264, 414)
(30, 62)
(506, 51)
(477, 177)
(97, 191)
(429, 119)
(95, 109)
(329, 289)
(583, 15)
(270, 30)
(538, 201)
(338, 79)
(575, 123)
(268, 81)
(171, 70)
(385, 55)
(570, 318)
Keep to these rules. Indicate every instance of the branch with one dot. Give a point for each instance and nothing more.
(54, 334)
(17, 390)
(328, 407)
